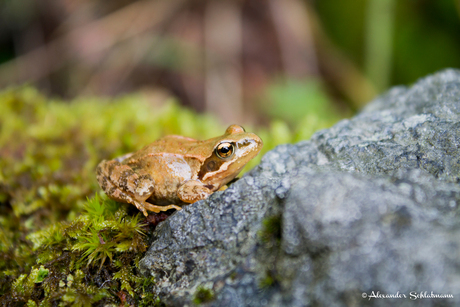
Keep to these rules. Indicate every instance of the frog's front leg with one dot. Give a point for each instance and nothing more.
(192, 191)
(121, 183)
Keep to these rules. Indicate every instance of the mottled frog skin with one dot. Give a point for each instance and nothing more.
(177, 170)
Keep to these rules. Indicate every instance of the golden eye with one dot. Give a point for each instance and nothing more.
(225, 150)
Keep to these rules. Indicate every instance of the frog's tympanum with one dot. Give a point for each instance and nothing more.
(176, 170)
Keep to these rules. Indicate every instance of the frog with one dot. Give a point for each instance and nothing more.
(175, 170)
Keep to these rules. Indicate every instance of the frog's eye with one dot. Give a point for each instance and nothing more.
(225, 150)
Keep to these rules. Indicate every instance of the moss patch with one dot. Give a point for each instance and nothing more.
(203, 295)
(57, 246)
(270, 234)
(270, 239)
(61, 243)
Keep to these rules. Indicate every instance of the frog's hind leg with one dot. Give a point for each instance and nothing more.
(158, 209)
(122, 184)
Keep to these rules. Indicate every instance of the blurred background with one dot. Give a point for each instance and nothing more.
(246, 61)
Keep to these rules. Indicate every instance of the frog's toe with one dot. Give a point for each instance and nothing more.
(141, 207)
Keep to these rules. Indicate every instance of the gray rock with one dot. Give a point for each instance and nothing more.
(369, 205)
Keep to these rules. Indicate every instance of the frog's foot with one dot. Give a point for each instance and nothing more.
(223, 188)
(158, 209)
(140, 206)
(193, 190)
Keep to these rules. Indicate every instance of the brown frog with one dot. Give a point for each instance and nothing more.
(176, 170)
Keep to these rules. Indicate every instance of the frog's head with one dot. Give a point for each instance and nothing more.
(230, 154)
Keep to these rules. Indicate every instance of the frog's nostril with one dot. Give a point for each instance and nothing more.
(253, 142)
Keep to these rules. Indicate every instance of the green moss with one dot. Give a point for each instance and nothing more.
(41, 274)
(268, 280)
(48, 154)
(60, 242)
(270, 238)
(233, 275)
(203, 295)
(270, 234)
(147, 297)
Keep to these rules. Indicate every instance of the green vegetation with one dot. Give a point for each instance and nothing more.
(270, 237)
(267, 281)
(270, 234)
(60, 242)
(71, 259)
(203, 295)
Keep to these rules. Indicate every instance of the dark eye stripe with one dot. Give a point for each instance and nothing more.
(211, 166)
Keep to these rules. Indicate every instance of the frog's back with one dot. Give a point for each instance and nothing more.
(176, 145)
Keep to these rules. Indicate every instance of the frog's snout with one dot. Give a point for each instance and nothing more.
(250, 144)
